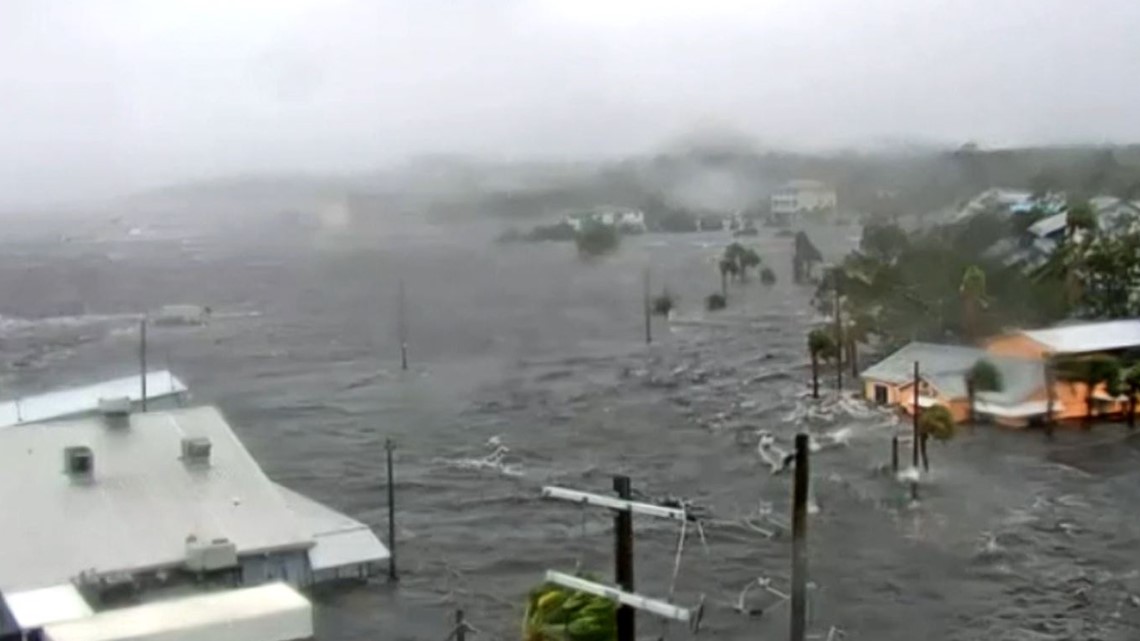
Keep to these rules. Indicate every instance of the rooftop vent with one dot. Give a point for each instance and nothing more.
(207, 556)
(79, 463)
(196, 450)
(116, 411)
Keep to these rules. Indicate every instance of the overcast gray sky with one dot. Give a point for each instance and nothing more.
(105, 96)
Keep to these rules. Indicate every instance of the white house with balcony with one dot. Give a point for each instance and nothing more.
(610, 216)
(799, 196)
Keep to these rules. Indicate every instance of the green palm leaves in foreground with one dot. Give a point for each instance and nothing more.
(556, 613)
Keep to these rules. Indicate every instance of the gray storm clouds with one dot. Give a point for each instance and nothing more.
(105, 96)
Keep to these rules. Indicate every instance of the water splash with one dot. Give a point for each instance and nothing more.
(495, 460)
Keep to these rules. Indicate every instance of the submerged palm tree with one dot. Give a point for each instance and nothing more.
(821, 346)
(981, 377)
(727, 268)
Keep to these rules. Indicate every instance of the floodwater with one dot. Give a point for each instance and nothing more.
(529, 367)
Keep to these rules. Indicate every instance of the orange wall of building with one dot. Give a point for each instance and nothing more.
(1017, 345)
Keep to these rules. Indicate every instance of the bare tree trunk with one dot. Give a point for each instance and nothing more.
(1132, 408)
(724, 284)
(853, 356)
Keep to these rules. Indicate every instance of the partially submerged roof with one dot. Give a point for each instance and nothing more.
(80, 400)
(274, 612)
(1088, 337)
(340, 540)
(142, 503)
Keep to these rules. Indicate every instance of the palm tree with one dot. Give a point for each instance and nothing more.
(806, 254)
(973, 293)
(1080, 217)
(821, 346)
(981, 377)
(1131, 380)
(937, 422)
(747, 259)
(727, 267)
(553, 612)
(857, 328)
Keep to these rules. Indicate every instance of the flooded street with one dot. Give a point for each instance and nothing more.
(529, 367)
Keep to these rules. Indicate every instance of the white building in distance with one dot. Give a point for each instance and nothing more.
(798, 196)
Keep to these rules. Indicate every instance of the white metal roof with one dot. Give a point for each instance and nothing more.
(1049, 225)
(340, 540)
(79, 400)
(36, 608)
(274, 612)
(143, 503)
(1089, 337)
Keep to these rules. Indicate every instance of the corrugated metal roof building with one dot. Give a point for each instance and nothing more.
(157, 499)
(942, 369)
(164, 391)
(274, 612)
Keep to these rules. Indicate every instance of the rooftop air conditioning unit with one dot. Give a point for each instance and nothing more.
(208, 556)
(196, 450)
(79, 463)
(115, 411)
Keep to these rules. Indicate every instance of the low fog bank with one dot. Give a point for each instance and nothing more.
(719, 176)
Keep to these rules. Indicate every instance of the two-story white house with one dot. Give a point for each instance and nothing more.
(798, 196)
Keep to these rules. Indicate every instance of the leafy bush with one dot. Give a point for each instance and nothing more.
(714, 302)
(767, 276)
(663, 304)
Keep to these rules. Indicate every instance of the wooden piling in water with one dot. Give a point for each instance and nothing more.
(388, 448)
(895, 455)
(648, 311)
(798, 625)
(623, 560)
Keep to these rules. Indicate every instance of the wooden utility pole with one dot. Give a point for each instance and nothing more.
(388, 448)
(142, 362)
(623, 559)
(894, 454)
(402, 327)
(838, 341)
(914, 430)
(648, 311)
(799, 540)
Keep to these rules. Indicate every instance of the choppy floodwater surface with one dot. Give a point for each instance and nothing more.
(526, 348)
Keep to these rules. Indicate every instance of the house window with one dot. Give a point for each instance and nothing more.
(881, 394)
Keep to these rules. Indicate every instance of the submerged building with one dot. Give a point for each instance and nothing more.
(121, 506)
